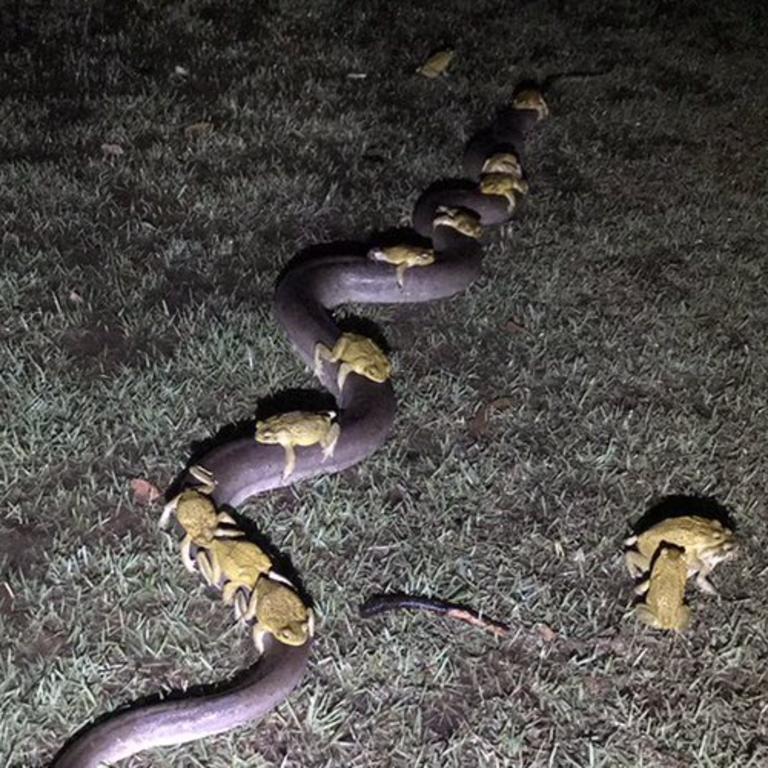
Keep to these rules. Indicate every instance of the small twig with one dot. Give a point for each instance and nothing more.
(576, 74)
(383, 603)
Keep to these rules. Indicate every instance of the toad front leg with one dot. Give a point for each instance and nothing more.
(703, 568)
(290, 459)
(322, 352)
(637, 563)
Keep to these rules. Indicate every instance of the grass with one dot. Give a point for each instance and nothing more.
(621, 318)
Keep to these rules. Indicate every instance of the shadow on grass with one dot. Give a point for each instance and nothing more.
(682, 505)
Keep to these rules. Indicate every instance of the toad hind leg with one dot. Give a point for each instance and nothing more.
(644, 614)
(643, 586)
(637, 563)
(204, 477)
(186, 556)
(227, 533)
(258, 637)
(231, 593)
(321, 353)
(250, 610)
(240, 605)
(209, 568)
(702, 577)
(168, 510)
(400, 274)
(329, 441)
(344, 370)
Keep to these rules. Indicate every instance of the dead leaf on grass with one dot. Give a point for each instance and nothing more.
(437, 63)
(546, 633)
(144, 492)
(75, 297)
(112, 150)
(513, 325)
(478, 424)
(199, 130)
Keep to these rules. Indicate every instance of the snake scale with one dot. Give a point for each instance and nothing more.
(448, 218)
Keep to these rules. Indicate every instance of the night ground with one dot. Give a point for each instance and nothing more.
(160, 162)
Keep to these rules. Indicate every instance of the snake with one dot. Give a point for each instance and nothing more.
(306, 294)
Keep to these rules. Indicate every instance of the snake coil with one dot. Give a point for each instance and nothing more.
(307, 292)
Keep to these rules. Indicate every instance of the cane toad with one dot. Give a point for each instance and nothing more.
(705, 543)
(299, 428)
(664, 606)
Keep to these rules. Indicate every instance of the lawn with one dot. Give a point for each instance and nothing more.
(160, 162)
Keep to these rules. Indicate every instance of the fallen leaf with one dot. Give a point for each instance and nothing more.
(437, 63)
(75, 297)
(597, 685)
(180, 71)
(514, 326)
(198, 130)
(546, 633)
(478, 424)
(112, 150)
(144, 492)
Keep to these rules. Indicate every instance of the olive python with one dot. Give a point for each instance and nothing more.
(442, 259)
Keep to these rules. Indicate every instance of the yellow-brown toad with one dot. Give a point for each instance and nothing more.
(508, 164)
(404, 257)
(299, 429)
(464, 222)
(238, 563)
(357, 354)
(505, 185)
(664, 606)
(437, 63)
(705, 543)
(279, 611)
(197, 515)
(530, 98)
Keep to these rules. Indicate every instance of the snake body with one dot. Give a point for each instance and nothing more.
(306, 293)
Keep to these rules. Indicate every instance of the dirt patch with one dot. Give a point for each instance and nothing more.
(180, 288)
(85, 345)
(106, 349)
(22, 546)
(443, 720)
(124, 521)
(46, 644)
(422, 442)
